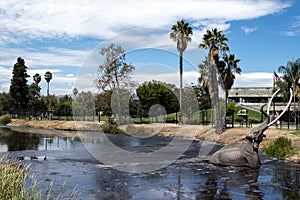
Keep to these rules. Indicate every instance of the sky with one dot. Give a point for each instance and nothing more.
(65, 37)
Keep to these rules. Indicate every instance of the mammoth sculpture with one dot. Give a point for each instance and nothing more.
(245, 153)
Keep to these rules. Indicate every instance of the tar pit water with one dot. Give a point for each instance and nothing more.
(68, 164)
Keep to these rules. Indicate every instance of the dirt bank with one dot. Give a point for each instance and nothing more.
(56, 124)
(187, 131)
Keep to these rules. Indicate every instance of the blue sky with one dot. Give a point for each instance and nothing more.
(65, 37)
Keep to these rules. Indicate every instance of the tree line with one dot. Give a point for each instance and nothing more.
(114, 75)
(114, 81)
(22, 98)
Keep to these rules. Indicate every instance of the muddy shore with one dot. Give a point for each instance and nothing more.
(188, 131)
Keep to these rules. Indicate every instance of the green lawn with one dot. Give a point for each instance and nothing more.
(198, 117)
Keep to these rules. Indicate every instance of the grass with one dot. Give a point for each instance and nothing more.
(279, 148)
(251, 113)
(197, 118)
(297, 133)
(12, 177)
(15, 183)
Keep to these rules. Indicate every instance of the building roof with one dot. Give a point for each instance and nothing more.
(250, 92)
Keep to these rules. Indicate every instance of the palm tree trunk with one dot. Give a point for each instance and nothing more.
(225, 107)
(214, 94)
(48, 99)
(180, 89)
(48, 89)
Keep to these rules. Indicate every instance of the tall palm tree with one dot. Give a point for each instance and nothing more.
(215, 41)
(48, 78)
(229, 71)
(291, 74)
(181, 34)
(291, 77)
(37, 78)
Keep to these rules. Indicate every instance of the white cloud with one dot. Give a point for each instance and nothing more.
(48, 20)
(248, 30)
(294, 30)
(105, 18)
(254, 79)
(297, 22)
(70, 75)
(171, 77)
(5, 76)
(292, 33)
(48, 57)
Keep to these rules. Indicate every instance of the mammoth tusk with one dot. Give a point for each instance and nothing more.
(289, 103)
(269, 104)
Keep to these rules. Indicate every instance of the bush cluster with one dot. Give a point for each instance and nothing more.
(112, 129)
(5, 119)
(279, 148)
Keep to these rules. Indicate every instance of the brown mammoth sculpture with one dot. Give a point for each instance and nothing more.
(245, 153)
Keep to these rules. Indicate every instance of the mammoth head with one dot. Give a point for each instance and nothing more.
(257, 133)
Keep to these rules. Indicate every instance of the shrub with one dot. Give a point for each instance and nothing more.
(279, 148)
(112, 129)
(5, 119)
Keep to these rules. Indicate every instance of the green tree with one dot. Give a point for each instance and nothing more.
(35, 104)
(157, 93)
(48, 77)
(114, 72)
(114, 75)
(103, 103)
(191, 102)
(34, 89)
(228, 74)
(291, 76)
(181, 34)
(37, 78)
(5, 103)
(202, 96)
(215, 41)
(230, 112)
(203, 78)
(49, 104)
(85, 104)
(290, 79)
(203, 91)
(18, 86)
(64, 107)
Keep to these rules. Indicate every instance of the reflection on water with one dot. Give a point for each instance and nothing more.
(186, 178)
(16, 141)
